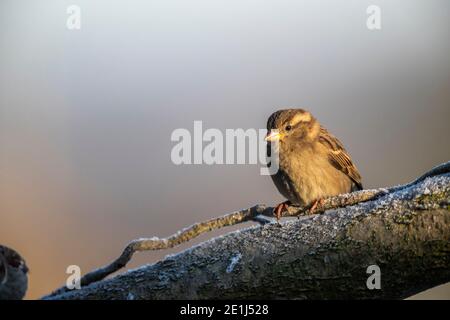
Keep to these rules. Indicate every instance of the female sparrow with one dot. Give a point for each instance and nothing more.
(313, 163)
(13, 275)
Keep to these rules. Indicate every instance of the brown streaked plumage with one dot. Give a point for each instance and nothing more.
(313, 163)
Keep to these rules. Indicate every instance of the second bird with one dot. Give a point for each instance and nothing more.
(313, 163)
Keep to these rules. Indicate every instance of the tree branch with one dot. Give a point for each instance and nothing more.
(328, 233)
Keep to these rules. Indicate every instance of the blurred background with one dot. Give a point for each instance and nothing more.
(86, 115)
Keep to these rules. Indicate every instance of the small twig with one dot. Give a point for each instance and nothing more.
(255, 213)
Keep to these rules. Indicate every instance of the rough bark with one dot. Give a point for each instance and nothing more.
(405, 231)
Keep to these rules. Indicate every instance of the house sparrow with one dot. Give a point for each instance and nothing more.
(313, 163)
(13, 275)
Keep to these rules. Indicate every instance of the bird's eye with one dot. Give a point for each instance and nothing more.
(288, 127)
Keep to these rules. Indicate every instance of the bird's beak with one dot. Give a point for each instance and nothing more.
(273, 136)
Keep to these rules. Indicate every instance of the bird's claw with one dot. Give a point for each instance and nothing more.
(315, 205)
(278, 211)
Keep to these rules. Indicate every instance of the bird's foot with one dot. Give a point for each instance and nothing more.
(280, 208)
(315, 205)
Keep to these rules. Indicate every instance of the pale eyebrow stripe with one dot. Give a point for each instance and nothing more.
(301, 117)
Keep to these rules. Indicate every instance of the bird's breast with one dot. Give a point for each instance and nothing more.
(307, 175)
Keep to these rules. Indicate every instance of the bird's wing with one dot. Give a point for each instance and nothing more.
(339, 157)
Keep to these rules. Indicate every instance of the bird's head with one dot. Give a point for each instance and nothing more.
(10, 258)
(13, 275)
(284, 125)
